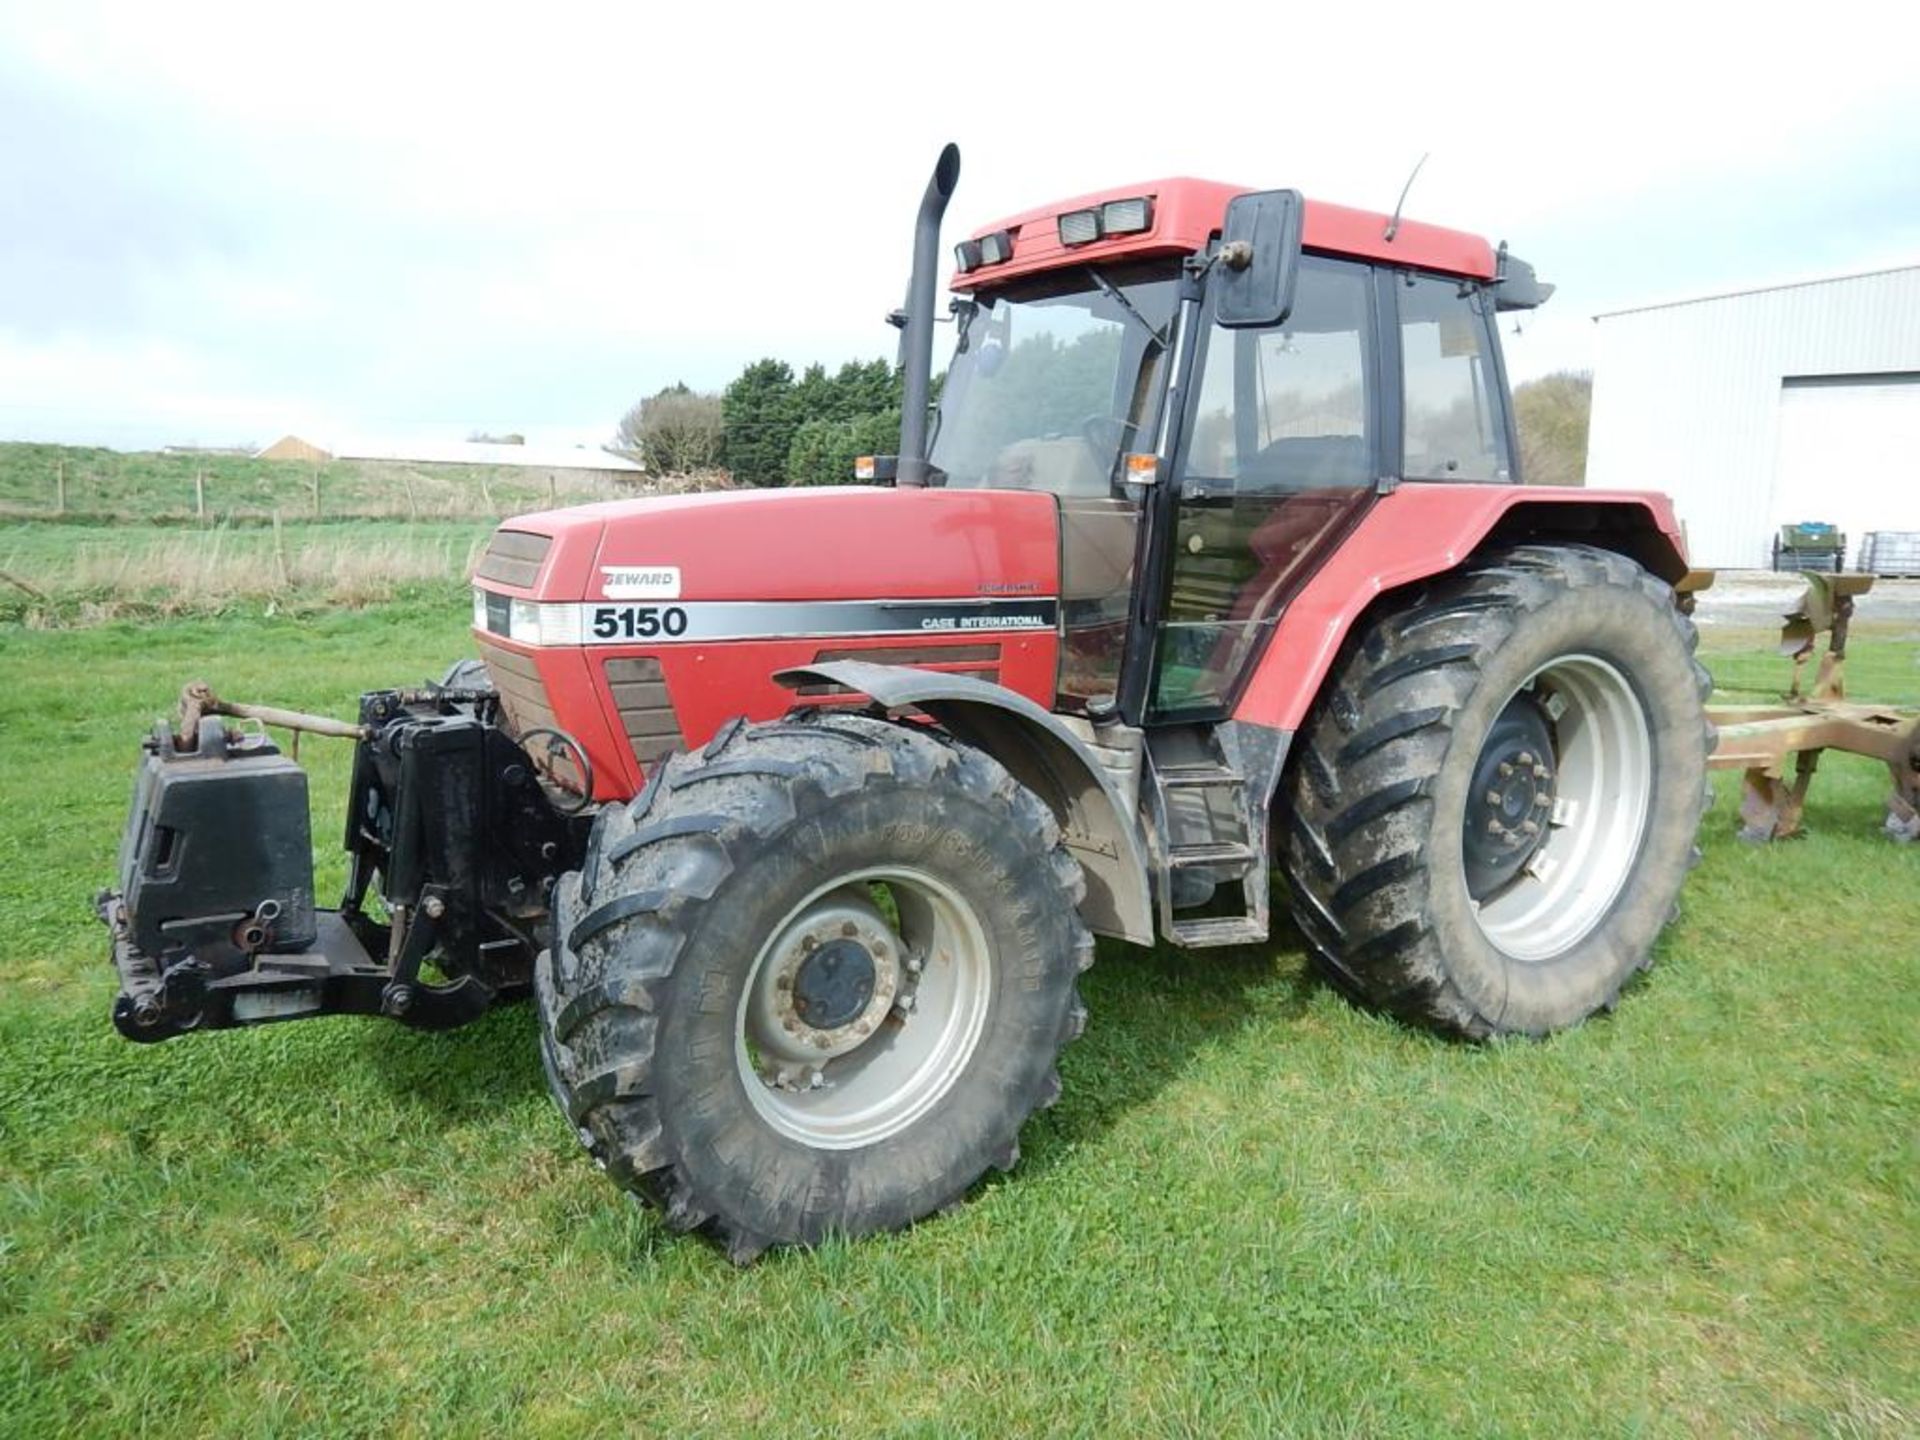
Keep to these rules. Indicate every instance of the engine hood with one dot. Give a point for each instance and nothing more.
(845, 543)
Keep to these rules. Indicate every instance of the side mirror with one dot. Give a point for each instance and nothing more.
(1259, 259)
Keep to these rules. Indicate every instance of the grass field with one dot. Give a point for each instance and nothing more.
(1255, 1210)
(81, 575)
(91, 485)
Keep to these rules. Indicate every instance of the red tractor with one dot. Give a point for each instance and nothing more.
(798, 812)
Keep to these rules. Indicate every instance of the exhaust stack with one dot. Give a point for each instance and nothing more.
(917, 343)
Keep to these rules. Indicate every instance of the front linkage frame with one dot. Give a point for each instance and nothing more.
(452, 834)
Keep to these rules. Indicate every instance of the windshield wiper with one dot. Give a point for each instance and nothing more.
(1108, 289)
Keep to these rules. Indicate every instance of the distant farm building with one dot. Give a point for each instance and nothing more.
(1765, 408)
(570, 458)
(292, 447)
(573, 460)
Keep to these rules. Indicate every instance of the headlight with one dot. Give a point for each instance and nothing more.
(528, 622)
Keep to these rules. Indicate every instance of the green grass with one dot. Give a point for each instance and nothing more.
(1254, 1211)
(62, 575)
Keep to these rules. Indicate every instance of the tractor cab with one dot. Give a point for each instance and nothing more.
(1211, 409)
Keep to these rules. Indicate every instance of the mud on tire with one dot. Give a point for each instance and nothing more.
(683, 898)
(1404, 831)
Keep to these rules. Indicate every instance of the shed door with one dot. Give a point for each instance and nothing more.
(1849, 455)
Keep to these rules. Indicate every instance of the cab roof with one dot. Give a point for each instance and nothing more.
(1187, 212)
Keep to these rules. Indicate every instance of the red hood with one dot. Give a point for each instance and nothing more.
(838, 543)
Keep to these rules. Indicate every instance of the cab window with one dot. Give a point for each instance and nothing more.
(1453, 423)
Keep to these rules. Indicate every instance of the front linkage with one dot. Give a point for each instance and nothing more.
(451, 828)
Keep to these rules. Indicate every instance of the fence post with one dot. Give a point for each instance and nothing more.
(200, 494)
(553, 490)
(280, 550)
(60, 487)
(314, 481)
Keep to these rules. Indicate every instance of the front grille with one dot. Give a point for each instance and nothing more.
(513, 557)
(523, 694)
(646, 714)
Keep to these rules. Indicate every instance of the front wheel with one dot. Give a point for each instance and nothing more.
(813, 981)
(1492, 810)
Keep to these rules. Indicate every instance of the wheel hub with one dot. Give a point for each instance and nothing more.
(1510, 806)
(833, 984)
(832, 976)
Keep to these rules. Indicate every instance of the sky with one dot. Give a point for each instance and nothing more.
(223, 223)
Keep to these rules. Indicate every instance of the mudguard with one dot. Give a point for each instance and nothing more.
(1422, 530)
(1043, 753)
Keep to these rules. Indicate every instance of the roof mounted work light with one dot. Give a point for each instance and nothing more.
(1116, 217)
(1126, 217)
(1079, 227)
(966, 256)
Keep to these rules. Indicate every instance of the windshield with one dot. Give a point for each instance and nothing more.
(1053, 380)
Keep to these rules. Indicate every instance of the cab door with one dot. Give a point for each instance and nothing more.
(1284, 448)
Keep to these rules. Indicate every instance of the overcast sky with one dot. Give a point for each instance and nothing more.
(223, 223)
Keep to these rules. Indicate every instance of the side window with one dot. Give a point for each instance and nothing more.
(1455, 429)
(1286, 409)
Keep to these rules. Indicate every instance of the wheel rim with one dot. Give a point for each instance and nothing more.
(863, 1008)
(1538, 892)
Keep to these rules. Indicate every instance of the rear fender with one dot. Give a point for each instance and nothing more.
(1423, 530)
(1043, 754)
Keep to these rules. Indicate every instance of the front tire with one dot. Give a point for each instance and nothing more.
(1492, 809)
(814, 980)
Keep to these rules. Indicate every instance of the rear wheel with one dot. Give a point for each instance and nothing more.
(1492, 810)
(814, 980)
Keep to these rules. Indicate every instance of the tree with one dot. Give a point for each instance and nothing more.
(823, 451)
(481, 437)
(757, 411)
(674, 432)
(1551, 414)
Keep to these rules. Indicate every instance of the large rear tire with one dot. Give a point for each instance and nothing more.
(814, 980)
(1491, 811)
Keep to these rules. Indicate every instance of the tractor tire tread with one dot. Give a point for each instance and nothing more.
(607, 981)
(1356, 795)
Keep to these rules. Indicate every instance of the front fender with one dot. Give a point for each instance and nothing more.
(1097, 820)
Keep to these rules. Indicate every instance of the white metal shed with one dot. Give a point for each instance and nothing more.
(1766, 407)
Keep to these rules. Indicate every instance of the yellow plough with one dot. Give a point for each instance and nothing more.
(1761, 739)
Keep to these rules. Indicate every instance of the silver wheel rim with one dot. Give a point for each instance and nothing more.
(1603, 764)
(890, 1058)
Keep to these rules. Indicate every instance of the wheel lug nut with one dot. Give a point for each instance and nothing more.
(1540, 772)
(849, 929)
(1494, 797)
(1526, 757)
(1506, 768)
(1529, 827)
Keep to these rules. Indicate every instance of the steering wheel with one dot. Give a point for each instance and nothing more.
(1106, 435)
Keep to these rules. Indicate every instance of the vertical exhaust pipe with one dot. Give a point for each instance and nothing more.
(917, 343)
